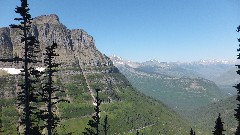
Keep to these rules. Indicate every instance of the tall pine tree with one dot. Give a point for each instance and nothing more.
(237, 114)
(218, 129)
(49, 91)
(26, 96)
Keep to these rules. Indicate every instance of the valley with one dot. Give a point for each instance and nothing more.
(198, 91)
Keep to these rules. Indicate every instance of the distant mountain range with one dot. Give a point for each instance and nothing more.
(223, 73)
(182, 86)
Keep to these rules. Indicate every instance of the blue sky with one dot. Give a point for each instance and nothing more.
(140, 30)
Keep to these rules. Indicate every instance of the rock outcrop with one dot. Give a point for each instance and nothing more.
(75, 47)
(6, 46)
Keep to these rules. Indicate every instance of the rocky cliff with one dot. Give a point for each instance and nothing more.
(76, 44)
(76, 49)
(6, 47)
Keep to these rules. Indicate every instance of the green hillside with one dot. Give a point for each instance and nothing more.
(180, 93)
(8, 112)
(205, 117)
(128, 110)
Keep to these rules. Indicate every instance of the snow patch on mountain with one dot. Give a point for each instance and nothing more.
(12, 71)
(15, 71)
(120, 61)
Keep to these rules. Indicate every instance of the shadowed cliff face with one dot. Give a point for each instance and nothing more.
(6, 47)
(76, 47)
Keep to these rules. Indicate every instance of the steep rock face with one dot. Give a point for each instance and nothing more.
(6, 47)
(76, 44)
(76, 49)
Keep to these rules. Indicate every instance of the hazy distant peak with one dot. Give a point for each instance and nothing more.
(117, 60)
(115, 57)
(120, 61)
(154, 60)
(214, 61)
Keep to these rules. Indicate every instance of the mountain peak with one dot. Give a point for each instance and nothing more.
(214, 61)
(120, 61)
(43, 19)
(115, 57)
(75, 47)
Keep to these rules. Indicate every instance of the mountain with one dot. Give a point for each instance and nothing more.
(76, 44)
(214, 70)
(182, 86)
(223, 73)
(83, 69)
(208, 69)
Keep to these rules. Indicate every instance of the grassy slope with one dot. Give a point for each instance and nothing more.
(8, 113)
(128, 111)
(205, 117)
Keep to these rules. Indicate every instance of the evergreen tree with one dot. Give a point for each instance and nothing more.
(105, 125)
(218, 126)
(94, 123)
(34, 89)
(191, 132)
(26, 97)
(137, 132)
(237, 114)
(48, 94)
